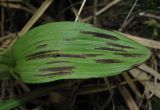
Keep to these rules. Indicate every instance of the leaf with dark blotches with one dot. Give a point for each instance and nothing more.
(72, 50)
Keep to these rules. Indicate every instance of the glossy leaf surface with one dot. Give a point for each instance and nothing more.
(69, 50)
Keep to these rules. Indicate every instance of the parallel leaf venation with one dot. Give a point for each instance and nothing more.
(53, 74)
(54, 69)
(120, 46)
(108, 61)
(41, 46)
(73, 50)
(110, 49)
(54, 62)
(58, 55)
(100, 35)
(130, 54)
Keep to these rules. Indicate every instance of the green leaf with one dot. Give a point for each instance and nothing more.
(26, 97)
(2, 50)
(4, 72)
(6, 64)
(19, 100)
(71, 50)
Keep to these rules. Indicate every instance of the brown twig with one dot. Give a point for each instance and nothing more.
(80, 10)
(34, 18)
(126, 19)
(128, 98)
(149, 15)
(103, 9)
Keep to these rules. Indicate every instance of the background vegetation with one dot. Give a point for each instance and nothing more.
(137, 89)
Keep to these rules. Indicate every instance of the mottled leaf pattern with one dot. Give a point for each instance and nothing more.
(69, 50)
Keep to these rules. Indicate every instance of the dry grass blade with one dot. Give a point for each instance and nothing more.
(7, 36)
(80, 10)
(144, 78)
(36, 16)
(103, 9)
(143, 41)
(44, 16)
(75, 12)
(110, 98)
(149, 15)
(16, 6)
(132, 85)
(155, 90)
(28, 8)
(126, 19)
(139, 74)
(150, 71)
(128, 98)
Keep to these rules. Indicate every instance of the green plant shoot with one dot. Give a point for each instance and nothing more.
(71, 50)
